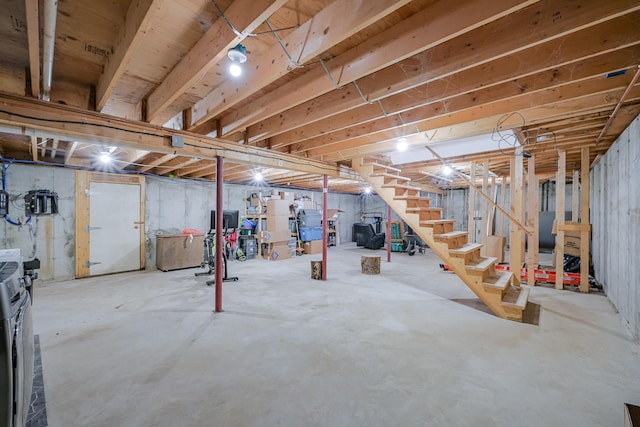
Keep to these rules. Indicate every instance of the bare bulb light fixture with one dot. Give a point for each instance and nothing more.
(402, 144)
(258, 176)
(237, 55)
(446, 170)
(105, 157)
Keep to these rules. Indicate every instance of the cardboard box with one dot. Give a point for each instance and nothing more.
(287, 195)
(278, 252)
(333, 213)
(571, 244)
(275, 236)
(313, 247)
(571, 239)
(254, 200)
(278, 207)
(277, 223)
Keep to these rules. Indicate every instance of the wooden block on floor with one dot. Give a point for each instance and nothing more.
(370, 264)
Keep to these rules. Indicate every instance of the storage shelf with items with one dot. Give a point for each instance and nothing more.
(333, 233)
(397, 236)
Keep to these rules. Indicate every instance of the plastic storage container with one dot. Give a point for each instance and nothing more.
(310, 218)
(308, 234)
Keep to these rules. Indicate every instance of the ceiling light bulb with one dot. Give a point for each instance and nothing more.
(105, 157)
(238, 53)
(447, 170)
(258, 176)
(367, 190)
(402, 144)
(234, 69)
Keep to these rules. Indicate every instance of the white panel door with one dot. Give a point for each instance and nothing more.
(114, 237)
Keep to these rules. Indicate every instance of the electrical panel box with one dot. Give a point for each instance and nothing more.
(41, 202)
(4, 203)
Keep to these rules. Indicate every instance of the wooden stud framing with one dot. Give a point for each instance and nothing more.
(532, 219)
(584, 217)
(516, 235)
(485, 208)
(502, 219)
(560, 208)
(575, 196)
(471, 223)
(492, 209)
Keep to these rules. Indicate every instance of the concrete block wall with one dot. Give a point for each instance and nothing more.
(615, 218)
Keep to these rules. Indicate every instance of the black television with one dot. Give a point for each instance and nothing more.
(230, 219)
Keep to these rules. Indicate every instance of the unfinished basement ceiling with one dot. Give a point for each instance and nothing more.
(333, 81)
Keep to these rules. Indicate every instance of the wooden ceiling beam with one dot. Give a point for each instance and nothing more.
(246, 16)
(432, 26)
(179, 163)
(504, 99)
(399, 103)
(141, 16)
(202, 165)
(487, 117)
(71, 148)
(75, 124)
(33, 37)
(336, 22)
(533, 26)
(157, 162)
(439, 83)
(210, 173)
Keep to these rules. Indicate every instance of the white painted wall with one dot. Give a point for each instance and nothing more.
(615, 215)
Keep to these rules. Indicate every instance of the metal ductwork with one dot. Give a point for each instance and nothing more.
(50, 12)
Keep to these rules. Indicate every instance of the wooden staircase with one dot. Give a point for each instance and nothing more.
(495, 288)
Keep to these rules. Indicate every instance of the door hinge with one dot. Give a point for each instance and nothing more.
(89, 263)
(89, 228)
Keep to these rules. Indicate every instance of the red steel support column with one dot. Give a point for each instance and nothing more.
(219, 231)
(325, 234)
(388, 233)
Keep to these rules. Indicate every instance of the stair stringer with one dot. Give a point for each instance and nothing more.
(456, 264)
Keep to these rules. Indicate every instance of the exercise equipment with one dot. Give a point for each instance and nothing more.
(210, 258)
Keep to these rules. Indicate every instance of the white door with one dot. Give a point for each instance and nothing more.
(114, 224)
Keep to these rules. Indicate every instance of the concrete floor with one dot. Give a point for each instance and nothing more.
(404, 348)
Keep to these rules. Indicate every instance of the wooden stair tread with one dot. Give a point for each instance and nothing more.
(423, 209)
(494, 288)
(466, 249)
(500, 282)
(480, 264)
(450, 235)
(380, 165)
(405, 187)
(516, 297)
(416, 197)
(437, 221)
(388, 175)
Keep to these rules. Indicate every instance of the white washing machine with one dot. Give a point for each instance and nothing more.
(16, 340)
